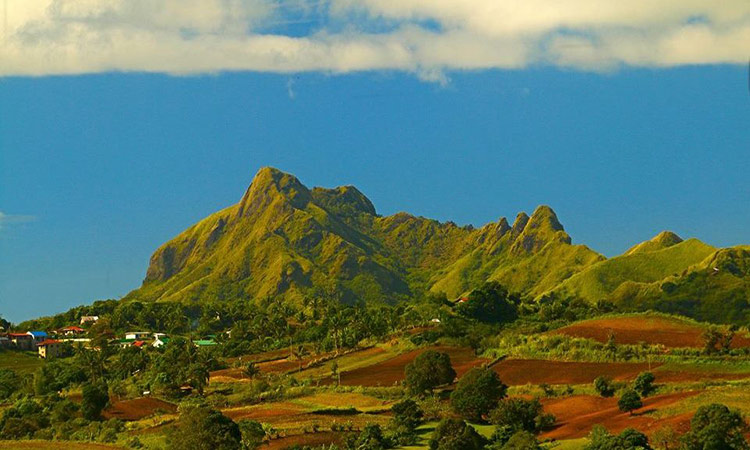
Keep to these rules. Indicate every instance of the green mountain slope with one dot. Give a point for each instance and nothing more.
(287, 241)
(651, 261)
(283, 239)
(716, 289)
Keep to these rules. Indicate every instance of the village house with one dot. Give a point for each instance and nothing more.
(5, 341)
(204, 343)
(37, 336)
(137, 335)
(89, 319)
(71, 331)
(49, 348)
(22, 341)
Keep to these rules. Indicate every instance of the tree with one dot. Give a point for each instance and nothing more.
(9, 383)
(666, 438)
(715, 426)
(629, 401)
(454, 434)
(408, 414)
(601, 439)
(95, 398)
(203, 428)
(604, 386)
(477, 393)
(428, 371)
(251, 370)
(252, 433)
(644, 383)
(522, 440)
(371, 438)
(518, 414)
(335, 372)
(490, 303)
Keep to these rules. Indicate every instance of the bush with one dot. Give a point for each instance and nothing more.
(601, 439)
(477, 393)
(518, 414)
(604, 386)
(522, 440)
(454, 434)
(644, 383)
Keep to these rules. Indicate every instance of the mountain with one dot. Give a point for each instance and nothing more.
(283, 239)
(648, 262)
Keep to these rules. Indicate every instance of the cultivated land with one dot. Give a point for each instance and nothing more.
(301, 309)
(668, 331)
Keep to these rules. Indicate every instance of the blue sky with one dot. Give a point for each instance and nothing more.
(124, 122)
(99, 170)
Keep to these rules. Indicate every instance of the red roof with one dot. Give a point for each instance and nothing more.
(463, 299)
(74, 328)
(139, 343)
(48, 342)
(17, 335)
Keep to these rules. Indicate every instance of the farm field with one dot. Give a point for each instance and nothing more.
(391, 371)
(670, 332)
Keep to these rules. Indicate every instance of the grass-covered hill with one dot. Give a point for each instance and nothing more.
(285, 240)
(648, 262)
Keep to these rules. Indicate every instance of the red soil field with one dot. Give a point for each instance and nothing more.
(537, 371)
(671, 333)
(577, 415)
(312, 439)
(391, 371)
(137, 409)
(284, 365)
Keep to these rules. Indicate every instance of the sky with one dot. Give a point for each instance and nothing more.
(123, 122)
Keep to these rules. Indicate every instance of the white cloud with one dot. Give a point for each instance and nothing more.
(426, 37)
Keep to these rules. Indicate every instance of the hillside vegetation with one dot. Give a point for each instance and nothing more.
(283, 240)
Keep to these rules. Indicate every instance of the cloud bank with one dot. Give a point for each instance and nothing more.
(425, 37)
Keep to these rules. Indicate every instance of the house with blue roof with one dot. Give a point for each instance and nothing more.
(37, 336)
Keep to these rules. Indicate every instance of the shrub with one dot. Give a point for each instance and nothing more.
(644, 383)
(604, 386)
(454, 434)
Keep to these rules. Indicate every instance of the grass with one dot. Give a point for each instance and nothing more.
(20, 362)
(567, 444)
(603, 278)
(734, 395)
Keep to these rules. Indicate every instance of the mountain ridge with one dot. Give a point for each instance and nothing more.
(285, 240)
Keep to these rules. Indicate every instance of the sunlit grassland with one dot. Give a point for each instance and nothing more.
(20, 362)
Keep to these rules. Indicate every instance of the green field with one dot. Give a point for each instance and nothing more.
(20, 362)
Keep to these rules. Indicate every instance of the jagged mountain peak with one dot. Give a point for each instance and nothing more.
(270, 184)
